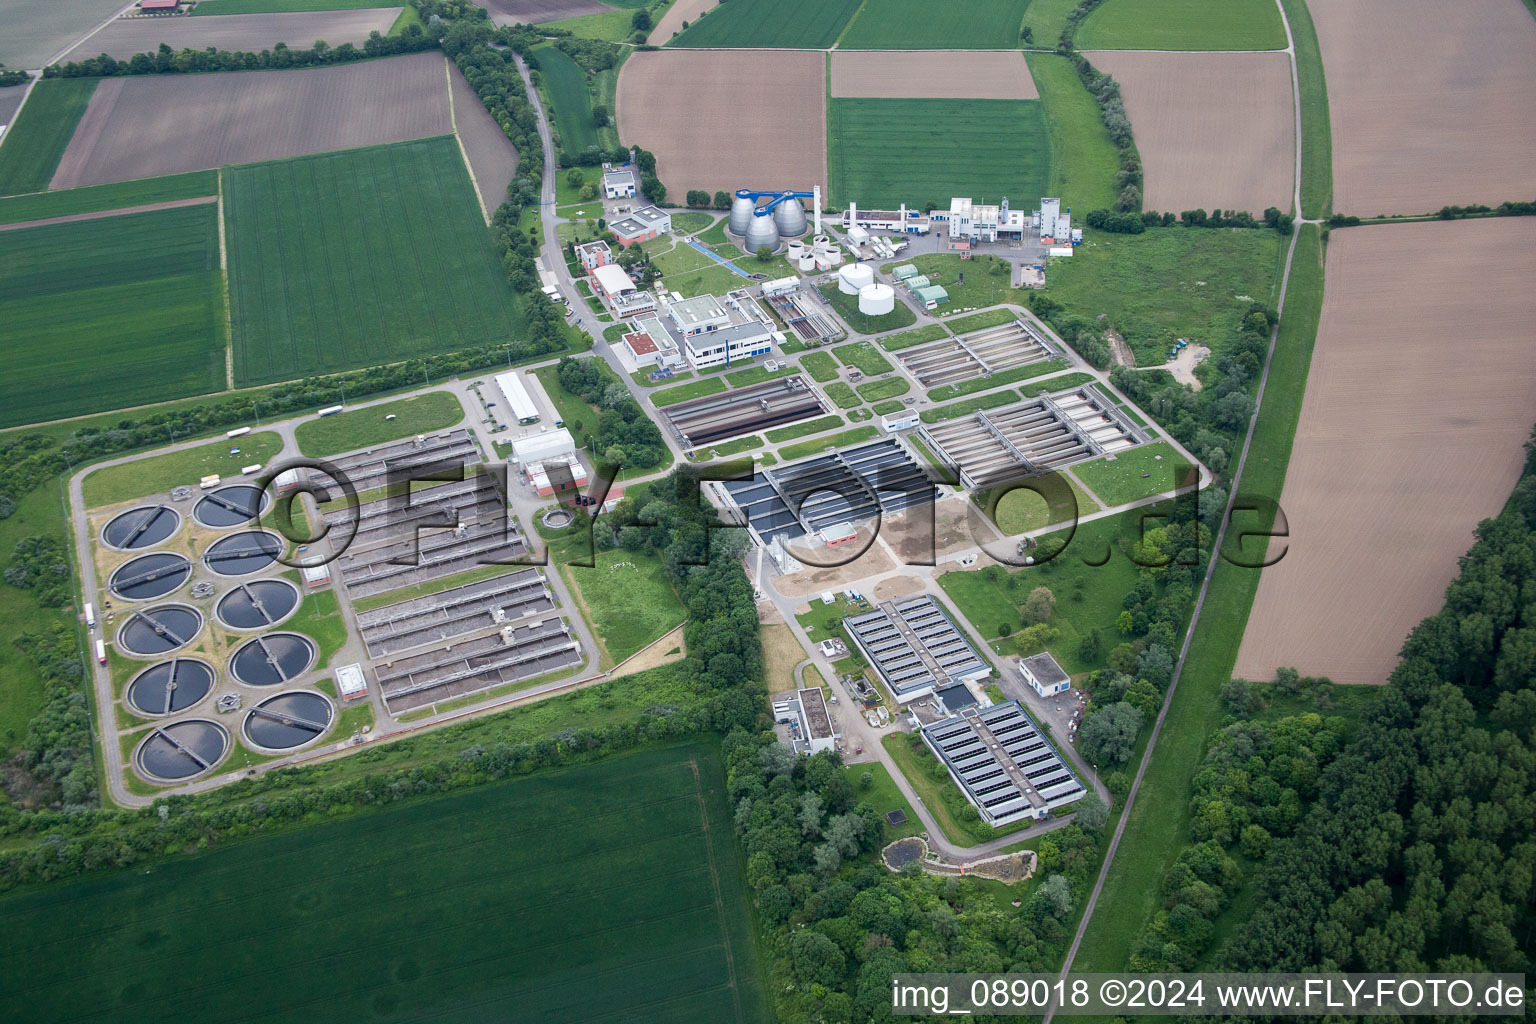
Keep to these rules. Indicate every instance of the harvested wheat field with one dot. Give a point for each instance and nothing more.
(492, 157)
(1421, 392)
(146, 127)
(671, 23)
(728, 119)
(933, 74)
(251, 32)
(1430, 102)
(535, 12)
(36, 31)
(1215, 130)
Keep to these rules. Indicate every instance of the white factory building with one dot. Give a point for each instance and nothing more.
(515, 394)
(712, 332)
(618, 182)
(968, 223)
(903, 220)
(614, 287)
(548, 461)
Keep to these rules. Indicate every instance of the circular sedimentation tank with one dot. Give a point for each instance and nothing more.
(288, 720)
(557, 518)
(159, 630)
(150, 576)
(181, 750)
(234, 505)
(258, 604)
(272, 659)
(141, 527)
(241, 554)
(170, 687)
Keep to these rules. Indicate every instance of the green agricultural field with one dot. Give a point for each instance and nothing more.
(1045, 19)
(128, 480)
(1118, 478)
(566, 84)
(864, 356)
(358, 258)
(364, 428)
(1084, 161)
(36, 142)
(774, 24)
(117, 196)
(817, 425)
(817, 445)
(912, 25)
(622, 874)
(1183, 25)
(106, 314)
(985, 149)
(205, 7)
(1170, 283)
(627, 599)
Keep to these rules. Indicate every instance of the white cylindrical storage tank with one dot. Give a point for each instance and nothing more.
(796, 249)
(807, 262)
(853, 277)
(877, 299)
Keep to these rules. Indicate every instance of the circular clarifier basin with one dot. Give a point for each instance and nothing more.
(258, 604)
(288, 720)
(181, 750)
(141, 527)
(234, 505)
(170, 686)
(241, 554)
(272, 659)
(159, 630)
(150, 576)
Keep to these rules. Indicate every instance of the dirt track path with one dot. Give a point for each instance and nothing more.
(169, 204)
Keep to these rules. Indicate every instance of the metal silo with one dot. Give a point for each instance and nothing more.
(741, 212)
(761, 232)
(789, 215)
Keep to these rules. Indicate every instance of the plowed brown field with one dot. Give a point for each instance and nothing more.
(724, 119)
(1421, 391)
(534, 12)
(1430, 102)
(1215, 130)
(251, 32)
(935, 74)
(492, 157)
(146, 127)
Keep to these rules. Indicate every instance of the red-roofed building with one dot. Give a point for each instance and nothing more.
(159, 5)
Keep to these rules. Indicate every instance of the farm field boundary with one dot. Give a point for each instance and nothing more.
(931, 74)
(913, 25)
(243, 32)
(774, 24)
(96, 199)
(1182, 25)
(36, 143)
(1084, 161)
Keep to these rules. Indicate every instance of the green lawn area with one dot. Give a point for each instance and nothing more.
(980, 321)
(613, 26)
(1045, 19)
(627, 600)
(359, 258)
(992, 600)
(758, 374)
(110, 313)
(843, 395)
(713, 235)
(39, 513)
(574, 411)
(797, 24)
(1316, 131)
(1004, 142)
(1066, 380)
(128, 480)
(1135, 473)
(991, 400)
(1182, 25)
(665, 937)
(891, 387)
(817, 425)
(728, 448)
(906, 339)
(886, 408)
(116, 196)
(686, 223)
(1170, 283)
(1021, 511)
(364, 428)
(883, 796)
(694, 389)
(847, 307)
(41, 132)
(1084, 162)
(863, 355)
(319, 618)
(686, 270)
(986, 282)
(998, 379)
(911, 25)
(820, 365)
(566, 85)
(1159, 820)
(817, 444)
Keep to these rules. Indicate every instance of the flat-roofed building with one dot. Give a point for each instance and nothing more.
(515, 394)
(619, 182)
(1041, 672)
(811, 728)
(619, 293)
(641, 226)
(915, 647)
(350, 681)
(594, 254)
(1003, 763)
(715, 332)
(837, 535)
(546, 444)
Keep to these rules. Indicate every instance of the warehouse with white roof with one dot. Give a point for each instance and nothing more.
(515, 393)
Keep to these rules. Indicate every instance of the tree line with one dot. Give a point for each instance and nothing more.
(624, 435)
(1106, 93)
(1135, 224)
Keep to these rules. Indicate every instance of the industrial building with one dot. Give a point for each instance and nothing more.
(641, 226)
(915, 647)
(350, 681)
(1042, 673)
(426, 453)
(619, 182)
(1036, 436)
(902, 221)
(548, 461)
(977, 353)
(715, 418)
(593, 254)
(801, 310)
(970, 223)
(620, 294)
(713, 332)
(515, 393)
(811, 728)
(651, 348)
(1003, 763)
(856, 484)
